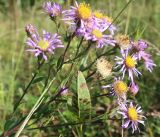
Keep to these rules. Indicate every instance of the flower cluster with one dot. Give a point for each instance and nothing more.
(90, 25)
(98, 29)
(131, 56)
(133, 53)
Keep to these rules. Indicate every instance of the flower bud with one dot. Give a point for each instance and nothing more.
(133, 88)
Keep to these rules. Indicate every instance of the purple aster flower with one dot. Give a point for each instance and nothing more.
(148, 62)
(101, 39)
(78, 14)
(45, 44)
(127, 64)
(104, 22)
(133, 88)
(139, 48)
(79, 18)
(118, 88)
(84, 23)
(31, 31)
(52, 9)
(140, 45)
(132, 116)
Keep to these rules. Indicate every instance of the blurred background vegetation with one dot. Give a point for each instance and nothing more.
(140, 19)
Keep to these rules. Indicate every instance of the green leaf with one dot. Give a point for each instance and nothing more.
(70, 116)
(9, 124)
(84, 99)
(12, 123)
(38, 79)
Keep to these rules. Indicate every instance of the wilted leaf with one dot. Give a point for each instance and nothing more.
(84, 99)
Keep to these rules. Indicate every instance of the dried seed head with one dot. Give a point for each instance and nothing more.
(123, 41)
(104, 67)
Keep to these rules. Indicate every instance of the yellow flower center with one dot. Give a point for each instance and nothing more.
(84, 11)
(43, 44)
(130, 62)
(132, 113)
(109, 19)
(120, 87)
(97, 33)
(98, 14)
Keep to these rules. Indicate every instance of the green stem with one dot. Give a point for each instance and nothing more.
(79, 55)
(28, 86)
(35, 107)
(77, 51)
(67, 47)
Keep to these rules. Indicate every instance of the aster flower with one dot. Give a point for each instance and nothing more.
(52, 9)
(104, 22)
(141, 54)
(118, 88)
(149, 64)
(140, 45)
(41, 45)
(127, 64)
(78, 14)
(133, 88)
(100, 38)
(79, 19)
(86, 27)
(84, 23)
(132, 116)
(31, 31)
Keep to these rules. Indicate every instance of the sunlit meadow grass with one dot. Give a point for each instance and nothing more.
(141, 19)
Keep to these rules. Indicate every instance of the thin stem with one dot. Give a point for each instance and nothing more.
(77, 51)
(102, 95)
(35, 107)
(128, 19)
(65, 124)
(120, 13)
(89, 66)
(71, 124)
(79, 55)
(122, 129)
(29, 84)
(67, 47)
